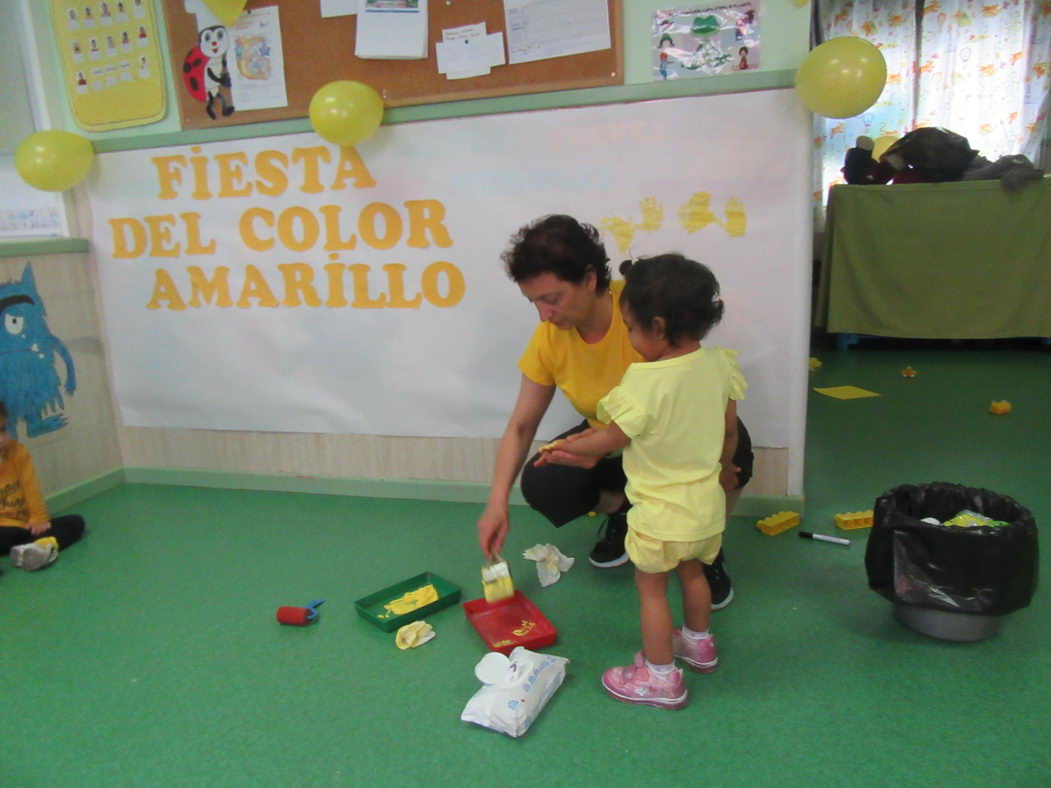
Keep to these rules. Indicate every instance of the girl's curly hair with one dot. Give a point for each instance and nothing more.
(683, 292)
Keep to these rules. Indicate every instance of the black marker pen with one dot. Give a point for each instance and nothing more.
(823, 538)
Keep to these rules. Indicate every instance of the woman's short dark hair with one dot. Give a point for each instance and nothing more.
(560, 245)
(3, 410)
(683, 292)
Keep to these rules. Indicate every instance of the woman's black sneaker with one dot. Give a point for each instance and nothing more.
(609, 549)
(719, 582)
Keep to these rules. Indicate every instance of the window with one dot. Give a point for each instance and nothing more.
(980, 69)
(24, 211)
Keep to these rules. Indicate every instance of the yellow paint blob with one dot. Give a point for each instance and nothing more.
(410, 600)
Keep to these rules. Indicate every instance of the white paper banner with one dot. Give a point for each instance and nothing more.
(279, 284)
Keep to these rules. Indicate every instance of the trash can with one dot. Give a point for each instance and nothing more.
(949, 581)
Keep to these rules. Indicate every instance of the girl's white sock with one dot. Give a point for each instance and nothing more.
(689, 633)
(661, 670)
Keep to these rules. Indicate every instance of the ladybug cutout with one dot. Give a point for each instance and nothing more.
(193, 73)
(204, 69)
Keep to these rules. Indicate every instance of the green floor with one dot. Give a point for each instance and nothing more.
(149, 654)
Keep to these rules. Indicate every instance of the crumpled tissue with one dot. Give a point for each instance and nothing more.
(415, 634)
(550, 562)
(514, 689)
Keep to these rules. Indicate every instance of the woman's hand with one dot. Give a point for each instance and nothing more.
(493, 526)
(728, 477)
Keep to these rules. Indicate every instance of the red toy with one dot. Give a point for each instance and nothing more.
(299, 616)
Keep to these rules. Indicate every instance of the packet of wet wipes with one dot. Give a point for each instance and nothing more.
(514, 689)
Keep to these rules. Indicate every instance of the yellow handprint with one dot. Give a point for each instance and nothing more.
(652, 214)
(697, 214)
(736, 221)
(622, 230)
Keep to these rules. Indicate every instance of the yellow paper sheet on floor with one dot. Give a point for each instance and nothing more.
(846, 392)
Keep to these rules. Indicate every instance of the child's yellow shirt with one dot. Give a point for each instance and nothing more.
(21, 502)
(674, 411)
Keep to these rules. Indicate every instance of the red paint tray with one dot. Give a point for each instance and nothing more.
(510, 622)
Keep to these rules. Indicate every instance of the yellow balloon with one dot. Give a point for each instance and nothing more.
(881, 144)
(345, 112)
(54, 161)
(226, 10)
(842, 77)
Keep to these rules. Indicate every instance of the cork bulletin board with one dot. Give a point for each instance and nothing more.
(320, 50)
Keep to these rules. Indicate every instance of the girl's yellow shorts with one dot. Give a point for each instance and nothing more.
(655, 555)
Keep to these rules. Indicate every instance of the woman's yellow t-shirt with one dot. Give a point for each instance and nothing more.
(585, 372)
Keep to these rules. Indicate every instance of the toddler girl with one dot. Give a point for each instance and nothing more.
(675, 416)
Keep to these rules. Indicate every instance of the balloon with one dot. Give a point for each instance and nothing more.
(226, 10)
(54, 161)
(345, 112)
(883, 142)
(842, 77)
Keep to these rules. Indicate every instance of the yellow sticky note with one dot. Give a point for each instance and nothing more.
(846, 392)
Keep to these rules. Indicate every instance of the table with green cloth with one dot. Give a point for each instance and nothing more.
(959, 260)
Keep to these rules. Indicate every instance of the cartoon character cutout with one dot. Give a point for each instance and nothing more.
(29, 383)
(204, 71)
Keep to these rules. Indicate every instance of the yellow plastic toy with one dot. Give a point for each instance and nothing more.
(849, 521)
(776, 523)
(1000, 407)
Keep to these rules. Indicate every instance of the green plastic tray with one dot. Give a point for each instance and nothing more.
(371, 607)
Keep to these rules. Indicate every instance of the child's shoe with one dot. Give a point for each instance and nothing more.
(636, 683)
(35, 555)
(699, 655)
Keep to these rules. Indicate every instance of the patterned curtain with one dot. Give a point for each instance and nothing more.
(981, 70)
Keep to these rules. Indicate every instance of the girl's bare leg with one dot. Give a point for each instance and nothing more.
(696, 595)
(655, 616)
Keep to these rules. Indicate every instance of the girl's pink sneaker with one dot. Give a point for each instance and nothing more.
(700, 655)
(636, 683)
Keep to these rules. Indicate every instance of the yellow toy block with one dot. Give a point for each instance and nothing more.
(776, 523)
(848, 521)
(1000, 407)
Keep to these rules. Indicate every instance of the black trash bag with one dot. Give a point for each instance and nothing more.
(985, 570)
(936, 154)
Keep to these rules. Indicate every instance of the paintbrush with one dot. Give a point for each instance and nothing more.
(496, 580)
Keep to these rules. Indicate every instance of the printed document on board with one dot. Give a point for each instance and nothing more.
(540, 29)
(391, 29)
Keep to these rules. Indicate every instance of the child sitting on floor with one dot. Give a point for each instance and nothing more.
(26, 530)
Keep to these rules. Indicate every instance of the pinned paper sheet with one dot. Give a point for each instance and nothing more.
(468, 51)
(846, 392)
(391, 29)
(330, 8)
(550, 562)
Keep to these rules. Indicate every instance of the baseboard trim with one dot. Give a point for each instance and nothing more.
(413, 489)
(71, 496)
(765, 505)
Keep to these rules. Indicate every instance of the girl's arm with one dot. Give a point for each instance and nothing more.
(590, 443)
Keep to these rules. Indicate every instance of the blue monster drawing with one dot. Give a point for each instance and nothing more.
(29, 382)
